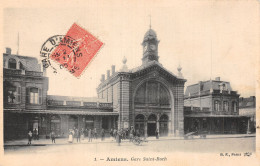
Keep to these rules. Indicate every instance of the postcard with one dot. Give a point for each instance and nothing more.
(130, 83)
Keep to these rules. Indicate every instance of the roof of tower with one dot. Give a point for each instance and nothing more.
(150, 34)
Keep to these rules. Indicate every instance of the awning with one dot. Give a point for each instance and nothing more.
(78, 112)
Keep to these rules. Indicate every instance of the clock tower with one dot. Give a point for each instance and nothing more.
(150, 47)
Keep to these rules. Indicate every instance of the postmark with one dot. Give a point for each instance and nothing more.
(73, 51)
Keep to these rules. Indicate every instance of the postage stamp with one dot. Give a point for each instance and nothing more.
(74, 51)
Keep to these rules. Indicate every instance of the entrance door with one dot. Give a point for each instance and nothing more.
(151, 129)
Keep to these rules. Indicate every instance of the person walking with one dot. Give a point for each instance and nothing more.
(82, 134)
(89, 135)
(102, 134)
(34, 134)
(95, 133)
(30, 134)
(78, 135)
(111, 133)
(115, 134)
(119, 137)
(131, 136)
(70, 136)
(157, 134)
(52, 137)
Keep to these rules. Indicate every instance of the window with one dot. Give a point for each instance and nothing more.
(12, 63)
(216, 105)
(14, 95)
(34, 95)
(225, 106)
(234, 106)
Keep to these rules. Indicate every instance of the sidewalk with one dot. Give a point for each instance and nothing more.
(62, 141)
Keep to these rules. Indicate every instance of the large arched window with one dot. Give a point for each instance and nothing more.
(152, 93)
(12, 63)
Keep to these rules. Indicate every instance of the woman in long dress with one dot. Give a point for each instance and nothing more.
(70, 137)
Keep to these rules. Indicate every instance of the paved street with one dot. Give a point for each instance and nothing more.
(167, 151)
(246, 144)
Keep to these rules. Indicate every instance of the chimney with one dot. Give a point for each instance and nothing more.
(8, 50)
(108, 74)
(217, 78)
(113, 69)
(102, 77)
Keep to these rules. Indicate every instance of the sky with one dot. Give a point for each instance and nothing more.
(191, 35)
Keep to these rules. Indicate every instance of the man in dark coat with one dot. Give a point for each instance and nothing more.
(102, 134)
(53, 137)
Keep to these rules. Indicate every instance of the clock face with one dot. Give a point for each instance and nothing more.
(153, 47)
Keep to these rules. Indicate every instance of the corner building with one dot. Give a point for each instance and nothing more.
(146, 97)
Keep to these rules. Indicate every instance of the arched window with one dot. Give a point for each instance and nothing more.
(152, 117)
(152, 93)
(12, 63)
(139, 117)
(164, 118)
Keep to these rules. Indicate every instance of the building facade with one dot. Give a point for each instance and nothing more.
(25, 88)
(213, 107)
(148, 97)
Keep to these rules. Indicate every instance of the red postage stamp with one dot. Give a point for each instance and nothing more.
(76, 50)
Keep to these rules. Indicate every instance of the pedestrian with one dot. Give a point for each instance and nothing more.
(89, 135)
(82, 134)
(78, 135)
(102, 134)
(95, 133)
(131, 137)
(34, 134)
(115, 134)
(119, 137)
(137, 133)
(70, 136)
(30, 134)
(111, 133)
(157, 134)
(52, 137)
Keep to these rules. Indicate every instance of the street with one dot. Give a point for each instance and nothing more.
(195, 145)
(162, 152)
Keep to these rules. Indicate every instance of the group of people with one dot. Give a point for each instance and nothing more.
(80, 134)
(118, 135)
(33, 135)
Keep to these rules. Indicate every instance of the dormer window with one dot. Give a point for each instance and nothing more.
(12, 63)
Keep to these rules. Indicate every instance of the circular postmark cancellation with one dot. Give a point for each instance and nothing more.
(68, 44)
(73, 51)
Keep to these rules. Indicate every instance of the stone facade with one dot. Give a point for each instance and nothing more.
(125, 86)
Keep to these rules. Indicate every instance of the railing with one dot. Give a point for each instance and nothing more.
(33, 73)
(22, 72)
(12, 71)
(77, 104)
